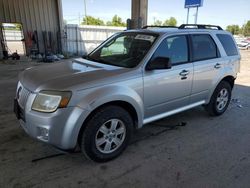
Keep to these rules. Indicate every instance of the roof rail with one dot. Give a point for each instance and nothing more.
(157, 26)
(199, 26)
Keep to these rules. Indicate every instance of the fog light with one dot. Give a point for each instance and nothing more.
(43, 133)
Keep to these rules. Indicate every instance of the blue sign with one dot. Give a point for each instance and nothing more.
(193, 3)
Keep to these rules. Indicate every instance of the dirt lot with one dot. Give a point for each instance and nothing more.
(207, 152)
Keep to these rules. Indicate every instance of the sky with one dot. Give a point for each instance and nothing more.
(217, 12)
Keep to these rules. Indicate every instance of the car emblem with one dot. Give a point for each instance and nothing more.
(19, 92)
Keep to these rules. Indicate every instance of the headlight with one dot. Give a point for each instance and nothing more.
(49, 101)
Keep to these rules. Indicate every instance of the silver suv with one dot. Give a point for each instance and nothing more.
(133, 78)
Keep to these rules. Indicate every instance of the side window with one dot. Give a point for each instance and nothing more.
(228, 44)
(204, 47)
(175, 48)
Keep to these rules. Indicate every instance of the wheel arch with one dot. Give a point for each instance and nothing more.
(122, 96)
(123, 104)
(228, 78)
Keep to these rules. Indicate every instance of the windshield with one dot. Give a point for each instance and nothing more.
(124, 50)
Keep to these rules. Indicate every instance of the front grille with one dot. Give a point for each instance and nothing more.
(22, 96)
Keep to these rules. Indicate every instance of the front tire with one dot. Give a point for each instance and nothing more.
(220, 99)
(107, 134)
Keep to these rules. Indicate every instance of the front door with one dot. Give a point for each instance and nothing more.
(169, 89)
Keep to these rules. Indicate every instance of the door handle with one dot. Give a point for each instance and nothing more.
(184, 73)
(217, 66)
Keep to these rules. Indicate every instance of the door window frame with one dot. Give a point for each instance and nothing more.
(218, 55)
(170, 36)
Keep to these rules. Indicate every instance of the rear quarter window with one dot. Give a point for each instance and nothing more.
(228, 44)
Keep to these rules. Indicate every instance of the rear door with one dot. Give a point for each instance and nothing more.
(169, 89)
(207, 65)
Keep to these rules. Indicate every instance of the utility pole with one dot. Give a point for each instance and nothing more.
(196, 15)
(79, 19)
(187, 14)
(85, 11)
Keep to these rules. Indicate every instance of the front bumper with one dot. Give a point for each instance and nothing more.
(60, 128)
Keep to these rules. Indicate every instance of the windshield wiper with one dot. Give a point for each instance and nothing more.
(89, 58)
(102, 61)
(97, 60)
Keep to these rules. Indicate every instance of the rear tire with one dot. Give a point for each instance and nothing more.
(220, 99)
(107, 134)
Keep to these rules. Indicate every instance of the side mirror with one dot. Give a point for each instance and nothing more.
(85, 55)
(159, 63)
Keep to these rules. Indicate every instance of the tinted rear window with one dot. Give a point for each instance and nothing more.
(203, 47)
(228, 44)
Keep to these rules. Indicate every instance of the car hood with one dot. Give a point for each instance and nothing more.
(78, 74)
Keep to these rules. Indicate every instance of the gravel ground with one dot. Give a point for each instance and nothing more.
(206, 152)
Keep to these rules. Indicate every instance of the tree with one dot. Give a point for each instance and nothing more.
(246, 29)
(158, 22)
(234, 29)
(170, 22)
(90, 20)
(116, 21)
(109, 23)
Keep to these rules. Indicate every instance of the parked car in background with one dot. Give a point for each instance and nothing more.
(244, 45)
(135, 77)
